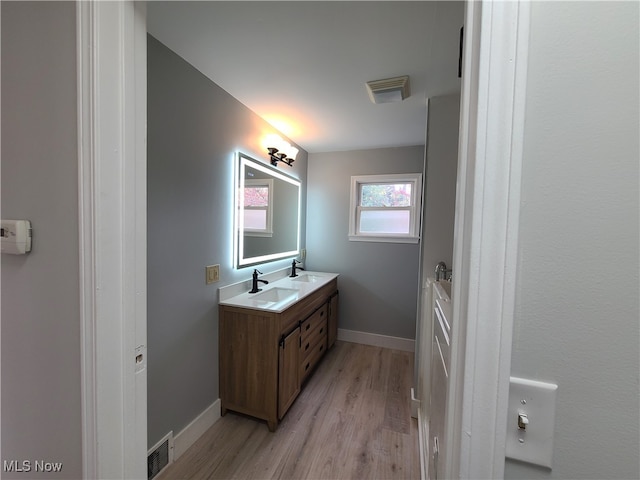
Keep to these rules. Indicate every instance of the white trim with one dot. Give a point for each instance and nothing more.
(415, 210)
(383, 239)
(192, 432)
(86, 146)
(423, 444)
(486, 238)
(111, 53)
(415, 404)
(385, 341)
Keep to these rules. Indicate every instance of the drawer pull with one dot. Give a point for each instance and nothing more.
(307, 366)
(307, 346)
(321, 347)
(321, 330)
(308, 326)
(322, 313)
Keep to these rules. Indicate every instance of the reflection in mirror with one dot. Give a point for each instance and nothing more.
(267, 214)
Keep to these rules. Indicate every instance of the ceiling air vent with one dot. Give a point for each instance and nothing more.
(389, 90)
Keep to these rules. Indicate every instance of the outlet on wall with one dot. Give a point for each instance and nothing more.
(213, 274)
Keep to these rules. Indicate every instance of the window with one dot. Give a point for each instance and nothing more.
(258, 207)
(386, 208)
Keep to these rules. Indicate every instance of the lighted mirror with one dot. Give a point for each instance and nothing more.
(267, 213)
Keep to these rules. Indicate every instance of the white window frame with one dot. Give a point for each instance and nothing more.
(268, 231)
(414, 217)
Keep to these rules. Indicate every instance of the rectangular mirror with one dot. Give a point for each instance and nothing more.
(267, 214)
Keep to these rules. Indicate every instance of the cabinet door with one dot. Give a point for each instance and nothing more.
(332, 320)
(288, 378)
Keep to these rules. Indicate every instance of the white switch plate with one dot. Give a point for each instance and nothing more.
(537, 400)
(213, 274)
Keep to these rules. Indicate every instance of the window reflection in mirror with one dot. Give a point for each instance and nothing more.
(267, 214)
(258, 207)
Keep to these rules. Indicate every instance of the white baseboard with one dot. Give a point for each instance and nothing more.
(415, 404)
(192, 432)
(423, 445)
(385, 341)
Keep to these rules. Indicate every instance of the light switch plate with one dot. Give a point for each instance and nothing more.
(536, 400)
(213, 273)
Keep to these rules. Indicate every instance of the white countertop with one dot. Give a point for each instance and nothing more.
(278, 295)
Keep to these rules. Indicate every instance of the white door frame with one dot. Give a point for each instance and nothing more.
(486, 235)
(111, 54)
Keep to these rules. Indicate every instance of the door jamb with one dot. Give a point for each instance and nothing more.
(111, 83)
(486, 235)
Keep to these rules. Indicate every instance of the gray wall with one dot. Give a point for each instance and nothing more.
(41, 408)
(439, 205)
(194, 130)
(377, 281)
(577, 309)
(440, 191)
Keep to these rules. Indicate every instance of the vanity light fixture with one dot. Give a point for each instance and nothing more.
(281, 151)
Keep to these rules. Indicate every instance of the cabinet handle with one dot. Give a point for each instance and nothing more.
(307, 346)
(307, 366)
(321, 348)
(308, 326)
(321, 330)
(322, 313)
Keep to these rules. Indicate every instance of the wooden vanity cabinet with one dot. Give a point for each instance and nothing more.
(332, 319)
(265, 356)
(313, 341)
(288, 378)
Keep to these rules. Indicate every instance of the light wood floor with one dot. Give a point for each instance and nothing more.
(352, 420)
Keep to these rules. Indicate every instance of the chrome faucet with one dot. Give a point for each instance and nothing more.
(254, 285)
(294, 267)
(441, 272)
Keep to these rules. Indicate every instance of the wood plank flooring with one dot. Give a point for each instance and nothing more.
(352, 420)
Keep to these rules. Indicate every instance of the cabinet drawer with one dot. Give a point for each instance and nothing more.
(312, 359)
(292, 315)
(318, 335)
(308, 326)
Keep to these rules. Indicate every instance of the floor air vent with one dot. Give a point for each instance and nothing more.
(160, 456)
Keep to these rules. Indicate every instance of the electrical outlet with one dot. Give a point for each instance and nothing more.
(213, 273)
(303, 254)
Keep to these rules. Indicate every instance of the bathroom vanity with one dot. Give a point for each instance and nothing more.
(270, 342)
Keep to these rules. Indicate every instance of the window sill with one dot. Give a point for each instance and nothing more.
(383, 239)
(249, 233)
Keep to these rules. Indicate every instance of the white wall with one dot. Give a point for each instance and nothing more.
(577, 309)
(41, 409)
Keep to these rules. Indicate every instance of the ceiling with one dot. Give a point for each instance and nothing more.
(302, 65)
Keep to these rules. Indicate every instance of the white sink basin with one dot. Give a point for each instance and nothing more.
(308, 278)
(277, 294)
(281, 292)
